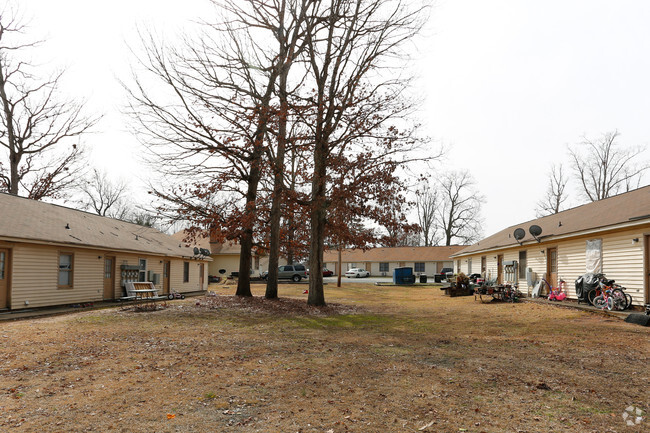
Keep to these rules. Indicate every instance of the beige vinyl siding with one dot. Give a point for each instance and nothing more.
(623, 262)
(35, 275)
(571, 258)
(491, 266)
(176, 280)
(228, 262)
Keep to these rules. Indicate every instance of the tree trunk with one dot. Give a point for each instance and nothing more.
(246, 240)
(14, 157)
(340, 266)
(278, 189)
(318, 220)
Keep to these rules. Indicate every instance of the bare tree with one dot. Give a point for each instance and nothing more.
(427, 201)
(555, 193)
(104, 197)
(605, 168)
(458, 215)
(209, 129)
(40, 131)
(355, 98)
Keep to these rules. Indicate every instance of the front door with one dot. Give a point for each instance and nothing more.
(166, 268)
(201, 276)
(500, 269)
(109, 277)
(4, 278)
(551, 266)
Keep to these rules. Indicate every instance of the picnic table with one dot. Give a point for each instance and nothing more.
(141, 292)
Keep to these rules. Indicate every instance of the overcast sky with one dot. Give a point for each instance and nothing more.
(507, 84)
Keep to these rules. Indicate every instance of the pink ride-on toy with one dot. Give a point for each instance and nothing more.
(173, 294)
(559, 293)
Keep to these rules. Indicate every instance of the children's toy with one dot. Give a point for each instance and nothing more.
(173, 294)
(558, 293)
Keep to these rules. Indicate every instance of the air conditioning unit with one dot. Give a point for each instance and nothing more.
(154, 278)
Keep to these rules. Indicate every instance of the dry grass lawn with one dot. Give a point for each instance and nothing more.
(377, 359)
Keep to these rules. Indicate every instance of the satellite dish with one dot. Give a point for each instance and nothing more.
(519, 234)
(535, 231)
(205, 252)
(196, 251)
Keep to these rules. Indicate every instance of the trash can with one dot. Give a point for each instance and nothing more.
(403, 276)
(423, 278)
(437, 278)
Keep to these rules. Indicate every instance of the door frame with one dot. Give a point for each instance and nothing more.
(7, 278)
(500, 269)
(201, 275)
(167, 270)
(552, 280)
(113, 278)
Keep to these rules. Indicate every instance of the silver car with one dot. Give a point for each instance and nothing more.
(357, 273)
(289, 272)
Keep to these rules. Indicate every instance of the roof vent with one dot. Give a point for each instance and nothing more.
(67, 226)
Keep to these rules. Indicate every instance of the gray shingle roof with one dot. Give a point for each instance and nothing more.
(22, 219)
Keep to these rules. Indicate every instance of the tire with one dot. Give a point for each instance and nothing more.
(182, 296)
(628, 298)
(619, 300)
(591, 296)
(296, 278)
(170, 296)
(599, 302)
(358, 276)
(610, 303)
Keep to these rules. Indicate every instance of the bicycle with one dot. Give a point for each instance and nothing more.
(608, 289)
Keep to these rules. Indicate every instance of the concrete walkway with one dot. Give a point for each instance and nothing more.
(582, 306)
(33, 313)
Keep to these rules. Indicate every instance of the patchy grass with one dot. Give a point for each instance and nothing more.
(376, 359)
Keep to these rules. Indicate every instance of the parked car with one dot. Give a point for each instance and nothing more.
(357, 273)
(289, 272)
(445, 274)
(326, 272)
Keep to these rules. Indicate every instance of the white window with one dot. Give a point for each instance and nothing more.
(142, 270)
(66, 260)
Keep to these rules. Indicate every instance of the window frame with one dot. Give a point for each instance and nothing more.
(384, 266)
(70, 272)
(523, 264)
(186, 272)
(418, 265)
(142, 270)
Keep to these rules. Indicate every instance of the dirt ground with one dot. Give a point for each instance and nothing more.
(377, 359)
